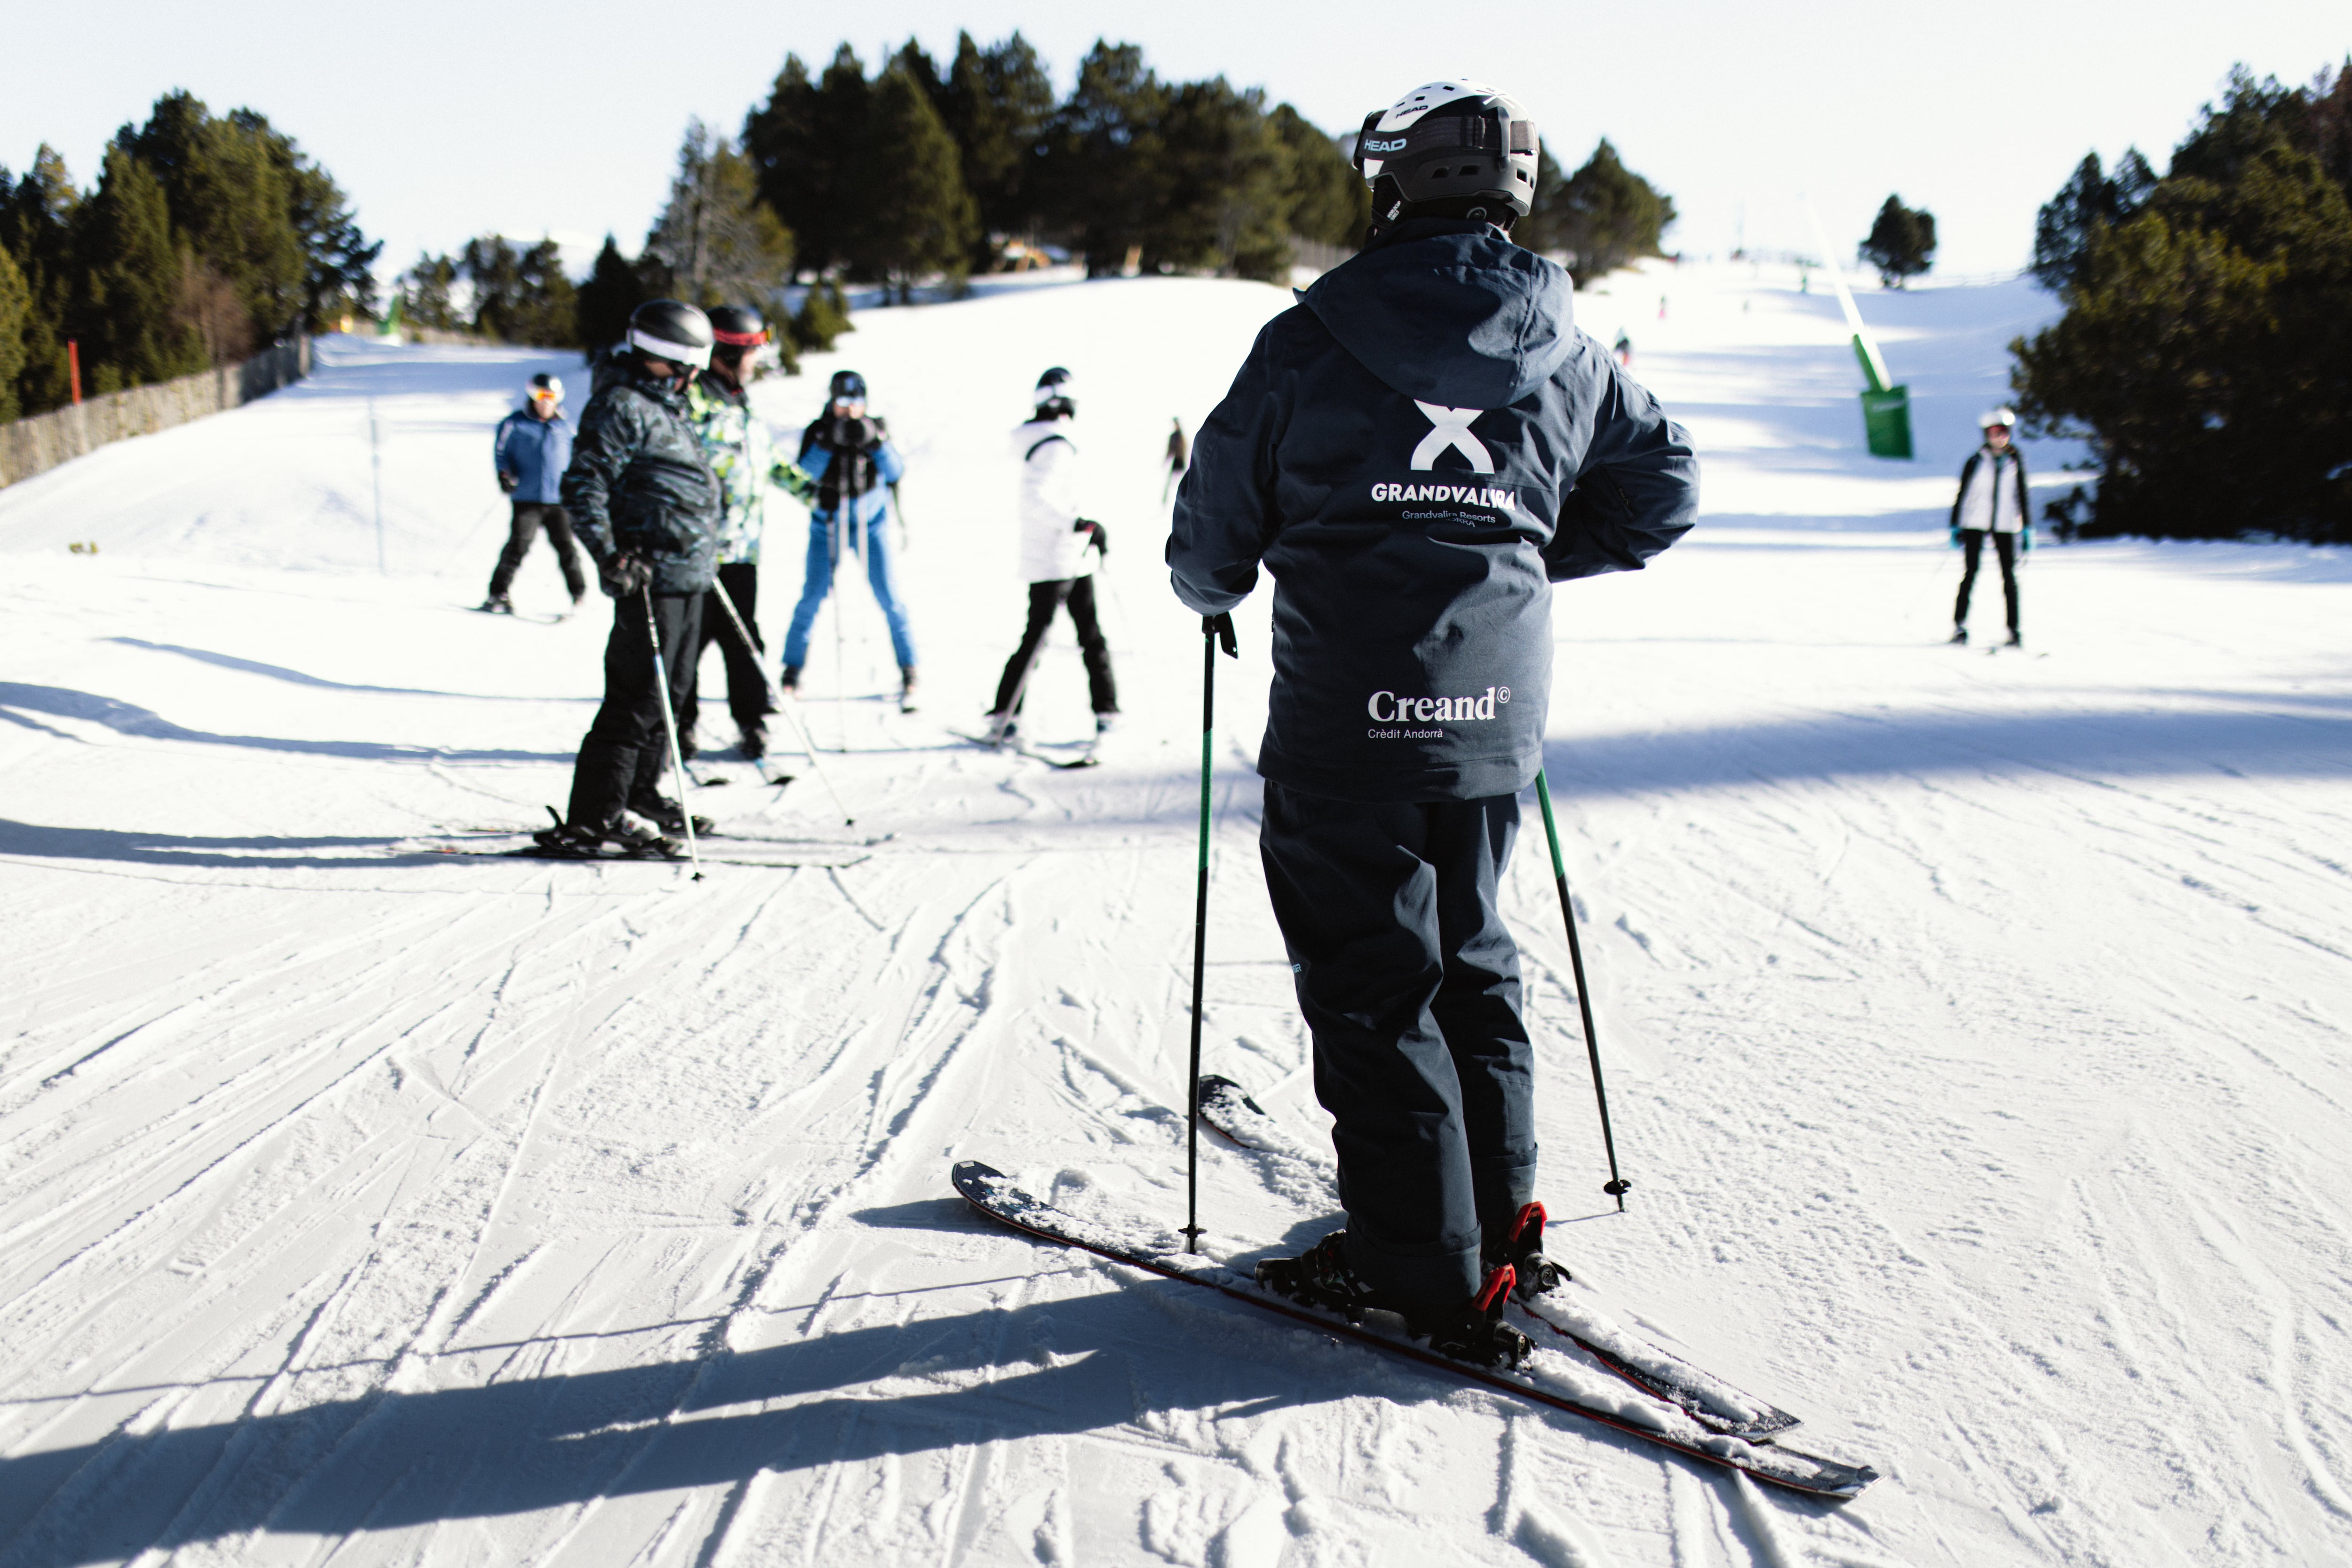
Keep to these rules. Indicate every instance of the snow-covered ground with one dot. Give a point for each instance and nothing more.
(1976, 1025)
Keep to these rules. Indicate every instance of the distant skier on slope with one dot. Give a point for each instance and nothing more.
(742, 454)
(1991, 500)
(530, 451)
(647, 509)
(1059, 549)
(1413, 451)
(848, 453)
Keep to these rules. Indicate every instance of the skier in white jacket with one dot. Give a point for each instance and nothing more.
(1992, 500)
(1059, 551)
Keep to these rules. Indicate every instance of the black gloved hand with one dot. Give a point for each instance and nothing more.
(859, 435)
(622, 577)
(507, 482)
(1222, 628)
(1101, 540)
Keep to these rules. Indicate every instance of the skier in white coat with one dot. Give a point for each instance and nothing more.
(1059, 552)
(1992, 500)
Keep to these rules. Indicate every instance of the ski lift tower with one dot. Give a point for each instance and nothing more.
(1885, 410)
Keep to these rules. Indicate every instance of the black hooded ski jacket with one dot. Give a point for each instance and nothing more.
(1414, 451)
(639, 484)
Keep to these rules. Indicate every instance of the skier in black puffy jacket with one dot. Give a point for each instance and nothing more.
(1415, 451)
(645, 504)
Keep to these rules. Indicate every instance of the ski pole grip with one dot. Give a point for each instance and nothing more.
(1222, 628)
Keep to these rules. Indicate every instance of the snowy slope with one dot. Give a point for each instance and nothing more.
(1976, 1025)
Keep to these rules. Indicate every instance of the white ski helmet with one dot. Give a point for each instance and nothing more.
(1457, 142)
(2003, 416)
(545, 385)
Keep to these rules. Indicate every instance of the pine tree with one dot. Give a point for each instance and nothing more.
(912, 216)
(716, 242)
(1609, 215)
(603, 304)
(1222, 184)
(36, 226)
(997, 102)
(808, 145)
(1325, 199)
(15, 304)
(1101, 172)
(428, 295)
(126, 315)
(339, 262)
(2088, 200)
(823, 316)
(229, 200)
(2206, 351)
(1902, 243)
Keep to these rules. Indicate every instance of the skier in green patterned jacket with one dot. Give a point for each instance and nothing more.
(645, 505)
(742, 454)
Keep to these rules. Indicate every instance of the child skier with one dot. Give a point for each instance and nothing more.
(849, 456)
(1991, 500)
(1413, 451)
(530, 451)
(1058, 553)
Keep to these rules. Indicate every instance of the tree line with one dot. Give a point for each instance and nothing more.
(920, 171)
(2205, 352)
(205, 237)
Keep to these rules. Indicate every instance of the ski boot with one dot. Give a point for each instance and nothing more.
(666, 815)
(1959, 637)
(1003, 729)
(751, 742)
(1522, 1247)
(790, 679)
(2016, 639)
(565, 842)
(1474, 1332)
(637, 838)
(497, 604)
(1319, 1276)
(1105, 723)
(905, 689)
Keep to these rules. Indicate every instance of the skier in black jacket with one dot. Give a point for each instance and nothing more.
(645, 504)
(1414, 451)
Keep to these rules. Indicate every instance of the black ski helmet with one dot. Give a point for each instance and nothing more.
(671, 329)
(1056, 385)
(1450, 148)
(846, 383)
(738, 326)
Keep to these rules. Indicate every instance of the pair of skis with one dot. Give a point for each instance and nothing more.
(1672, 1403)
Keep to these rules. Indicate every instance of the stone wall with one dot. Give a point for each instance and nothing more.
(34, 445)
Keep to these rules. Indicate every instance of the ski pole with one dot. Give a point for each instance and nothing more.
(669, 725)
(788, 709)
(1212, 627)
(1616, 1186)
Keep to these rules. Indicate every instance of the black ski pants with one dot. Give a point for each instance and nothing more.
(747, 693)
(1045, 599)
(1972, 551)
(529, 517)
(1409, 981)
(625, 749)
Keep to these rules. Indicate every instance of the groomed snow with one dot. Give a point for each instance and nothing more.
(1976, 1026)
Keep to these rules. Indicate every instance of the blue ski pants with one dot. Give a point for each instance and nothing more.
(874, 546)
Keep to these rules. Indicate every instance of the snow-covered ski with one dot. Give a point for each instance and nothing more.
(816, 860)
(1548, 1377)
(1020, 748)
(1706, 1398)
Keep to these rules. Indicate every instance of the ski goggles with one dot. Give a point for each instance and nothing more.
(742, 340)
(545, 395)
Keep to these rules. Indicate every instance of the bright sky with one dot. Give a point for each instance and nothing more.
(444, 121)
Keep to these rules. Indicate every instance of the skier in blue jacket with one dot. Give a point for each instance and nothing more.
(530, 451)
(848, 453)
(1414, 452)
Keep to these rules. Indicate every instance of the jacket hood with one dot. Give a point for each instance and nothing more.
(1026, 436)
(1450, 312)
